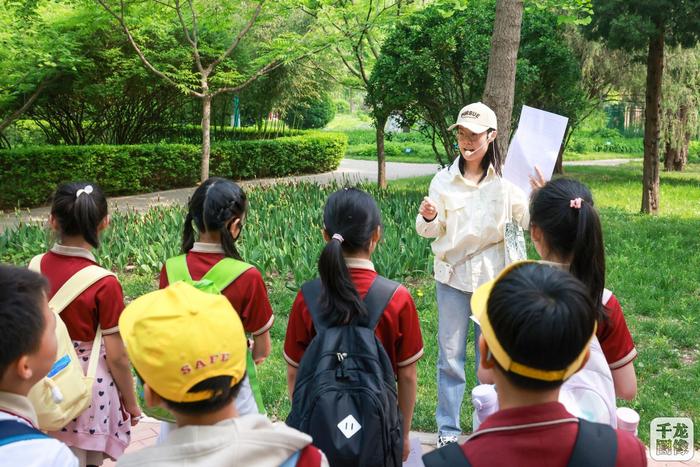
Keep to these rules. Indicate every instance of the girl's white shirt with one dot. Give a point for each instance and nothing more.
(469, 226)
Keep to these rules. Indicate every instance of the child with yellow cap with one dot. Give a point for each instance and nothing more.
(536, 322)
(189, 348)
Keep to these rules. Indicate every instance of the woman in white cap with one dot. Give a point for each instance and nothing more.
(466, 212)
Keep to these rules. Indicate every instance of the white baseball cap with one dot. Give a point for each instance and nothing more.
(476, 117)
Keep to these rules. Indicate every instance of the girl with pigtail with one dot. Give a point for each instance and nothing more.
(79, 217)
(566, 230)
(214, 222)
(352, 229)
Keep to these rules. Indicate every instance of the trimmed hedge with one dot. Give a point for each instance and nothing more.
(29, 176)
(192, 134)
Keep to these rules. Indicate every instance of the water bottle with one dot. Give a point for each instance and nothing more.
(627, 419)
(485, 403)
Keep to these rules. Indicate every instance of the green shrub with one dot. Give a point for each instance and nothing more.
(29, 175)
(22, 133)
(341, 106)
(604, 140)
(312, 113)
(192, 134)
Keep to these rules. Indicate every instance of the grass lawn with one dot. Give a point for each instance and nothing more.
(653, 268)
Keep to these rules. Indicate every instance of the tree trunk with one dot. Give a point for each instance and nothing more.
(559, 164)
(676, 155)
(27, 104)
(206, 141)
(381, 157)
(500, 79)
(650, 177)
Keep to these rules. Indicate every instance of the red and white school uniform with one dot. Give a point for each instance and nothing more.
(247, 294)
(105, 427)
(538, 435)
(398, 329)
(614, 335)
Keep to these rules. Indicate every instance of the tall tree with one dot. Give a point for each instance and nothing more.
(217, 47)
(356, 30)
(680, 105)
(650, 25)
(500, 79)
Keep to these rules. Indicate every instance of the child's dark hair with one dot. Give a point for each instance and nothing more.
(492, 157)
(354, 215)
(215, 204)
(222, 395)
(572, 232)
(543, 317)
(79, 214)
(21, 315)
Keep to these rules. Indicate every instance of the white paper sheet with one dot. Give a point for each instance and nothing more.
(536, 142)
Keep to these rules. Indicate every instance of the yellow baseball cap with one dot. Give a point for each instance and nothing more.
(179, 336)
(479, 303)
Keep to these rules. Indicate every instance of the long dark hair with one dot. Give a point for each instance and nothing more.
(354, 215)
(543, 317)
(79, 215)
(214, 205)
(572, 232)
(492, 157)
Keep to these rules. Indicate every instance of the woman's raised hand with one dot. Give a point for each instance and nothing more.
(428, 209)
(538, 181)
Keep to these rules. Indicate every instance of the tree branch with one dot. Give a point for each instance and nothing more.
(188, 36)
(28, 103)
(142, 57)
(238, 39)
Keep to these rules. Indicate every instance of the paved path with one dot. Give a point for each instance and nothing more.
(350, 170)
(146, 433)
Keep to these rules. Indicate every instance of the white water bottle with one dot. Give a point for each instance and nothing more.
(485, 403)
(627, 420)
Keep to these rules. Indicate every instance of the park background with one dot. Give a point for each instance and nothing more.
(146, 96)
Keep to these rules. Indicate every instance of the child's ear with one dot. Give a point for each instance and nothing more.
(377, 235)
(487, 361)
(326, 237)
(152, 398)
(53, 223)
(235, 228)
(23, 369)
(104, 223)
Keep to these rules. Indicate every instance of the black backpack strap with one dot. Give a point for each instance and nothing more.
(596, 444)
(311, 291)
(378, 297)
(450, 455)
(12, 431)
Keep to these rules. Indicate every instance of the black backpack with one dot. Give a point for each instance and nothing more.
(596, 445)
(345, 393)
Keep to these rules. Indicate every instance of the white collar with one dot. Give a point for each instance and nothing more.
(18, 406)
(359, 263)
(201, 247)
(455, 172)
(73, 251)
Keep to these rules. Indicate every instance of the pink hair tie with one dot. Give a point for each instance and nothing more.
(337, 236)
(575, 203)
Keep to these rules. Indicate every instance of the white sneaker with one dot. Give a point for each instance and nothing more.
(444, 440)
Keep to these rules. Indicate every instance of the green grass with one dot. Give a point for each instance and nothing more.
(653, 268)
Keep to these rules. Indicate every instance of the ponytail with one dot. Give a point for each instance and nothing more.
(564, 211)
(350, 218)
(588, 259)
(79, 208)
(214, 205)
(339, 294)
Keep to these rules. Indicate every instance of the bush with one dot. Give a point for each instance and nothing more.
(313, 113)
(604, 140)
(192, 134)
(341, 106)
(29, 175)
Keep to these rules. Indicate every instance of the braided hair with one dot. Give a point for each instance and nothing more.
(214, 206)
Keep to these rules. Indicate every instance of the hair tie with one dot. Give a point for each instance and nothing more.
(337, 236)
(575, 203)
(87, 190)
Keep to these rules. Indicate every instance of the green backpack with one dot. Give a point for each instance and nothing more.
(214, 281)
